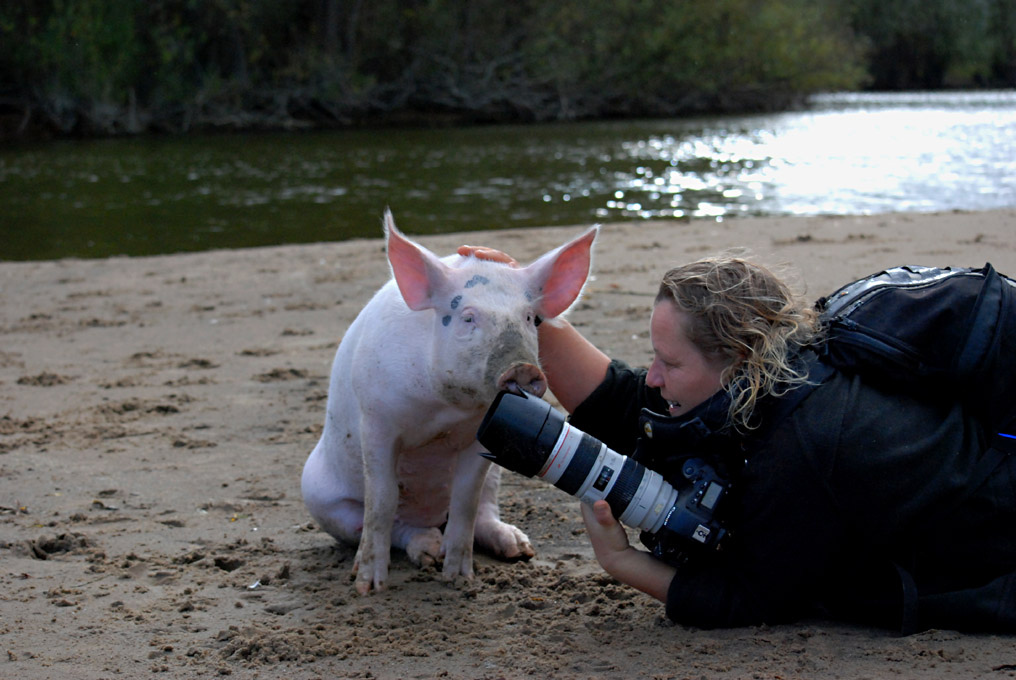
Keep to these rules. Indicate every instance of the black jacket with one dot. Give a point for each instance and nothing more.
(855, 497)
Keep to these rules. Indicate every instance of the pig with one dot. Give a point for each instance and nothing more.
(410, 382)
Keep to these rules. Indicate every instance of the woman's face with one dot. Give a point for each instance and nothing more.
(685, 376)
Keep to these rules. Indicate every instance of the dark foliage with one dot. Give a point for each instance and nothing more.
(122, 66)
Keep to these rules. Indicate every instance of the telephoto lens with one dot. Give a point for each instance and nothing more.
(527, 435)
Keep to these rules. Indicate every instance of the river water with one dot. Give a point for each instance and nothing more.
(847, 154)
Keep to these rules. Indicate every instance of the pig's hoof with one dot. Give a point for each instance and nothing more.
(505, 541)
(458, 563)
(456, 577)
(458, 580)
(364, 586)
(367, 578)
(424, 549)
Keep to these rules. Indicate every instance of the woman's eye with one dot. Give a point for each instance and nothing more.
(667, 366)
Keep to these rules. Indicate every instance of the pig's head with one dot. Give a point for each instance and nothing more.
(485, 313)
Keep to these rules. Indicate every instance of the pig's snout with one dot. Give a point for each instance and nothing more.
(523, 378)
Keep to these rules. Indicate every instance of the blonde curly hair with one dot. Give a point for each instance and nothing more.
(745, 316)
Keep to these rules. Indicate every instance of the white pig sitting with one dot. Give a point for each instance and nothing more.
(411, 381)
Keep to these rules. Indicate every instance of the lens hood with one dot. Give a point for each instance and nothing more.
(520, 432)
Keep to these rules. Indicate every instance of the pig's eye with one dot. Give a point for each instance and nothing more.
(468, 322)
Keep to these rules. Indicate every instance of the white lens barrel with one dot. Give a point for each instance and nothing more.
(649, 507)
(562, 454)
(587, 469)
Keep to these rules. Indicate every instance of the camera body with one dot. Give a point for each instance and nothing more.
(692, 520)
(525, 434)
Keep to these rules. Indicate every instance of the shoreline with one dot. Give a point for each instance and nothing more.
(156, 411)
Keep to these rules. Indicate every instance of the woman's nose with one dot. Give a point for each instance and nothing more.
(653, 376)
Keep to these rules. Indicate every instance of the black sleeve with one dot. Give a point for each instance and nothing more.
(611, 412)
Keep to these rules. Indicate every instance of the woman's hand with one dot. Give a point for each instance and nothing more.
(618, 558)
(485, 253)
(609, 539)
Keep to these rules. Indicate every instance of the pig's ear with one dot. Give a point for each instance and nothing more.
(418, 272)
(558, 276)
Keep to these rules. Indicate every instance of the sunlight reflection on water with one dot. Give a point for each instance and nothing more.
(848, 154)
(852, 154)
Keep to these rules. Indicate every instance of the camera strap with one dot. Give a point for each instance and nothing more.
(669, 440)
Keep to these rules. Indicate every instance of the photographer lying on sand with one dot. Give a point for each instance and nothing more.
(849, 496)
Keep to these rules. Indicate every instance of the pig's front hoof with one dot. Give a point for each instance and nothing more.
(458, 580)
(456, 577)
(369, 577)
(458, 563)
(365, 584)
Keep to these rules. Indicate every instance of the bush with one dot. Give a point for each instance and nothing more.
(115, 66)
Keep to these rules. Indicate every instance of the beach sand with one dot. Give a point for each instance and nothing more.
(155, 414)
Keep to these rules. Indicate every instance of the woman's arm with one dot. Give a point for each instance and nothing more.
(573, 365)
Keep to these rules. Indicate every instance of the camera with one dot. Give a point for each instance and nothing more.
(525, 434)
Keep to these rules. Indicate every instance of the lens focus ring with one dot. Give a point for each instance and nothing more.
(581, 463)
(625, 487)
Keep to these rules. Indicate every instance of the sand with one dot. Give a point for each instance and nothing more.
(155, 414)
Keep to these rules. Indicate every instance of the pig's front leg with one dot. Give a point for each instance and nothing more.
(380, 502)
(457, 546)
(501, 539)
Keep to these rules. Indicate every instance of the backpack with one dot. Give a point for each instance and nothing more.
(935, 331)
(928, 329)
